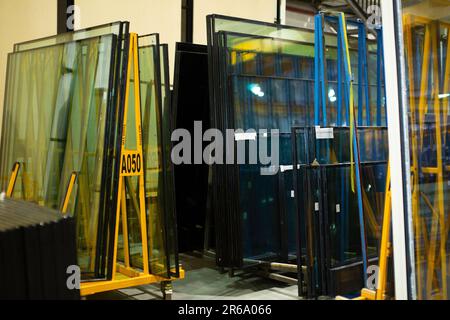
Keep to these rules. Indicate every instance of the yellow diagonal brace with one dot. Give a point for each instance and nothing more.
(385, 239)
(12, 180)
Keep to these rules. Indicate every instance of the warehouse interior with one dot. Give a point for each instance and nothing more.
(224, 150)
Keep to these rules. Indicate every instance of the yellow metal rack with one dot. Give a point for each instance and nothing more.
(428, 103)
(123, 276)
(430, 243)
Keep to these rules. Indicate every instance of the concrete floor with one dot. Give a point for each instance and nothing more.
(204, 282)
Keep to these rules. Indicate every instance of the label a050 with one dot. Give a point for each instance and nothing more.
(131, 163)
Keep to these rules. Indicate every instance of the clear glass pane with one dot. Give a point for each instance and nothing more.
(373, 145)
(167, 128)
(58, 99)
(157, 126)
(116, 28)
(256, 28)
(426, 42)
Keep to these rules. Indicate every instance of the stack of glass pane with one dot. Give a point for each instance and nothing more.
(159, 190)
(64, 109)
(59, 118)
(326, 202)
(328, 207)
(263, 78)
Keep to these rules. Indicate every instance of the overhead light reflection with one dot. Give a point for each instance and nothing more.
(332, 95)
(256, 90)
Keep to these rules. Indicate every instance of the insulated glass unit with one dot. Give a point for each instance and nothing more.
(60, 118)
(423, 28)
(263, 78)
(154, 83)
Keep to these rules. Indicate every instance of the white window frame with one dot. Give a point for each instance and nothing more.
(403, 246)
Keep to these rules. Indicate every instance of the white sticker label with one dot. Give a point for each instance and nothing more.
(292, 194)
(288, 168)
(338, 208)
(316, 206)
(324, 133)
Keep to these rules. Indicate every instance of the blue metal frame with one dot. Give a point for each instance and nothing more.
(355, 146)
(320, 93)
(380, 75)
(344, 84)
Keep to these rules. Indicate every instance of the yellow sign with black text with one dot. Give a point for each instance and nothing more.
(131, 163)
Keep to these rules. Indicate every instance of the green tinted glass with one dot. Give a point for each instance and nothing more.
(223, 23)
(156, 127)
(116, 28)
(57, 102)
(340, 208)
(167, 127)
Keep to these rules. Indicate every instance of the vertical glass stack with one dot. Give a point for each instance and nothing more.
(328, 207)
(325, 186)
(156, 117)
(263, 79)
(64, 110)
(59, 118)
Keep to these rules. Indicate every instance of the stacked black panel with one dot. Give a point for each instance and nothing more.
(190, 105)
(37, 249)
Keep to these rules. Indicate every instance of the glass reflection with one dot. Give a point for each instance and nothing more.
(57, 101)
(426, 39)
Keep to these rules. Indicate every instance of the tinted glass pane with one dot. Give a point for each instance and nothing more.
(167, 127)
(157, 126)
(260, 215)
(334, 147)
(116, 28)
(152, 140)
(342, 212)
(223, 23)
(58, 99)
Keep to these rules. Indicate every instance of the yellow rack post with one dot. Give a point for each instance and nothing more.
(385, 250)
(65, 204)
(12, 180)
